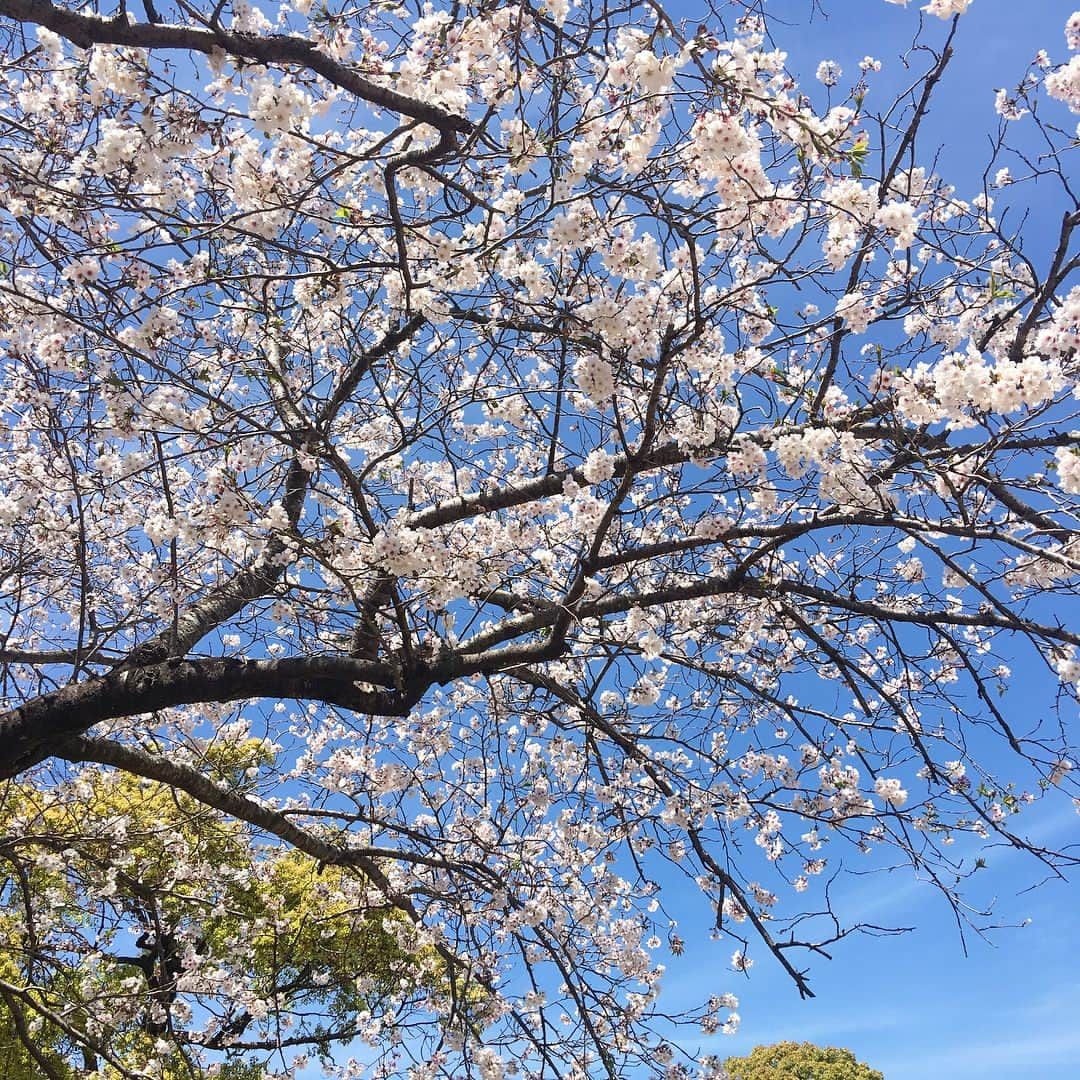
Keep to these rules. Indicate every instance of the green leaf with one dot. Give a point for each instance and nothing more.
(857, 155)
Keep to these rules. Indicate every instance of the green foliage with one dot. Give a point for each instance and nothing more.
(93, 871)
(799, 1061)
(16, 1062)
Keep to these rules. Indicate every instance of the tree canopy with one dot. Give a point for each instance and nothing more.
(116, 855)
(799, 1061)
(472, 473)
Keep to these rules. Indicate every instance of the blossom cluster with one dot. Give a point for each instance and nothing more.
(553, 469)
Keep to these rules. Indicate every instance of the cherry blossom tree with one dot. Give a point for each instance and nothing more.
(472, 474)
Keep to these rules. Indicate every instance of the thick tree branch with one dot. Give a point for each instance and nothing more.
(282, 49)
(33, 731)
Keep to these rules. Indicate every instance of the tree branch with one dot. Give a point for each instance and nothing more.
(87, 30)
(34, 731)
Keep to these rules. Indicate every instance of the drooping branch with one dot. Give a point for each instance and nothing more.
(283, 49)
(181, 778)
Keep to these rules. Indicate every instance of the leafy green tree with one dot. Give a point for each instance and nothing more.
(154, 901)
(799, 1061)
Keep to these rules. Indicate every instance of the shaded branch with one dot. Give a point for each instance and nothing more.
(87, 30)
(35, 730)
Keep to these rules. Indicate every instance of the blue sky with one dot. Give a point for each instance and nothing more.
(915, 1006)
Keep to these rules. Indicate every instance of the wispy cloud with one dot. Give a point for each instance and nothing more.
(976, 1061)
(1047, 1037)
